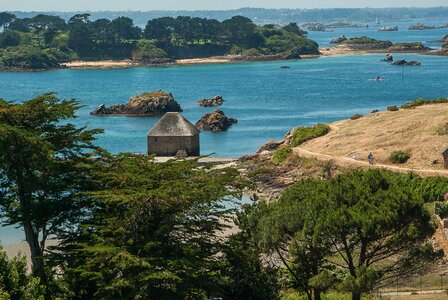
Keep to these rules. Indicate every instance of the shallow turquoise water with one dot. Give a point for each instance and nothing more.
(266, 100)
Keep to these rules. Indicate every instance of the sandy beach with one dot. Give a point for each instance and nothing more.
(117, 64)
(101, 64)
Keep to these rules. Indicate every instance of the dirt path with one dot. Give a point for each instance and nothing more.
(348, 162)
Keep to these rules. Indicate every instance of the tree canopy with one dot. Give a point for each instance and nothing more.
(41, 167)
(150, 231)
(120, 38)
(368, 225)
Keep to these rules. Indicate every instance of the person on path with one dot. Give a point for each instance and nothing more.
(370, 158)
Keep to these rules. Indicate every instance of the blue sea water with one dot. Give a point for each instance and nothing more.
(267, 100)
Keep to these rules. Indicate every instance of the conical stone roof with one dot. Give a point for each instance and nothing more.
(173, 124)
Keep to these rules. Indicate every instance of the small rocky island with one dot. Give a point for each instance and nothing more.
(215, 121)
(314, 27)
(388, 28)
(364, 43)
(420, 26)
(213, 102)
(403, 62)
(410, 47)
(154, 103)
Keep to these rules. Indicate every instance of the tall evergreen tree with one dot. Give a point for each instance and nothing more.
(42, 159)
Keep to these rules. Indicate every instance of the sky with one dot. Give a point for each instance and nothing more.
(145, 5)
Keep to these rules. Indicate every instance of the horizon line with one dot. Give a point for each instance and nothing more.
(230, 9)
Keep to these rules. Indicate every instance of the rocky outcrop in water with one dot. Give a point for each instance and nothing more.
(403, 62)
(389, 57)
(420, 26)
(339, 39)
(388, 28)
(215, 121)
(213, 102)
(147, 104)
(314, 26)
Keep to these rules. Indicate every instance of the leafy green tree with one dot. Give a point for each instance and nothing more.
(149, 230)
(249, 276)
(124, 29)
(371, 225)
(375, 216)
(42, 22)
(160, 29)
(15, 283)
(20, 24)
(241, 31)
(293, 28)
(5, 19)
(9, 38)
(42, 157)
(288, 229)
(81, 36)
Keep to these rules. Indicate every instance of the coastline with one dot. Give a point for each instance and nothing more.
(227, 59)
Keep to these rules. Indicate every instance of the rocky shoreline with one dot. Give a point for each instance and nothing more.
(325, 51)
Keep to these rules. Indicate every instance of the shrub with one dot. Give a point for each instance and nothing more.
(356, 117)
(251, 52)
(441, 209)
(433, 188)
(147, 50)
(281, 155)
(374, 111)
(236, 50)
(304, 134)
(27, 57)
(399, 157)
(392, 108)
(420, 102)
(443, 130)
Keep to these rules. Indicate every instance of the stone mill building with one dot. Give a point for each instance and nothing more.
(173, 135)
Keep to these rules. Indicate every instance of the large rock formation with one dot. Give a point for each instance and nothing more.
(215, 121)
(147, 104)
(403, 62)
(215, 101)
(339, 39)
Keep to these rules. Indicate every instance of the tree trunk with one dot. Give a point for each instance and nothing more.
(356, 296)
(31, 235)
(37, 259)
(316, 295)
(309, 295)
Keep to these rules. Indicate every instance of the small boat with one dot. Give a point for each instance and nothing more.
(285, 67)
(377, 78)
